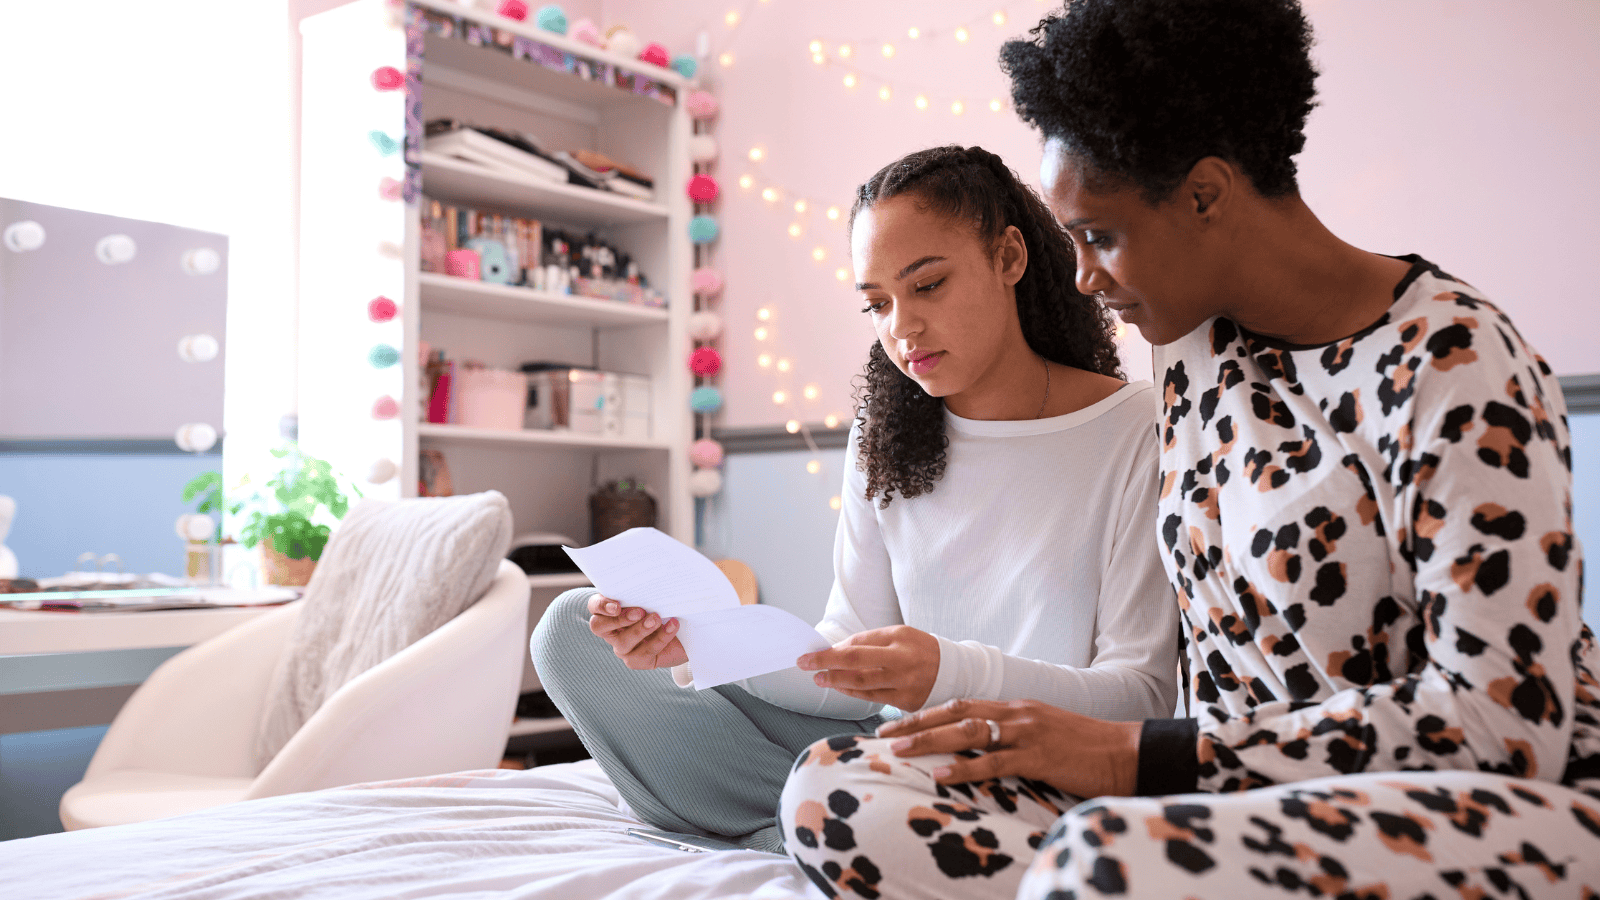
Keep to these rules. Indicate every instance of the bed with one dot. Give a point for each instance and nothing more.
(551, 832)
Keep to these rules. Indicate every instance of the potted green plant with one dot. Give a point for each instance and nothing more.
(292, 514)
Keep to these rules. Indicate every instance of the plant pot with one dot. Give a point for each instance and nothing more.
(279, 569)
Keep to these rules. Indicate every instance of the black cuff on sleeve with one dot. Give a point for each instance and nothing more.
(1167, 760)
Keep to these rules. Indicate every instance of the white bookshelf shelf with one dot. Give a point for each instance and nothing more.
(552, 725)
(561, 580)
(445, 293)
(452, 180)
(464, 434)
(659, 74)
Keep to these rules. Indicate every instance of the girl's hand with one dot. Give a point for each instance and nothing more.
(638, 637)
(895, 665)
(1082, 756)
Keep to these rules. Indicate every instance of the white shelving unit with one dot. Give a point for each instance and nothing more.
(356, 245)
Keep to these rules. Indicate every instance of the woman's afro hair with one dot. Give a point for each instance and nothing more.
(1141, 90)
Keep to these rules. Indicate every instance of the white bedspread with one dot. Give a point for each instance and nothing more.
(552, 832)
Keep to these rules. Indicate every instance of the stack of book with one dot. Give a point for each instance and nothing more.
(517, 153)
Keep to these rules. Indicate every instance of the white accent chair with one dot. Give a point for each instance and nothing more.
(185, 740)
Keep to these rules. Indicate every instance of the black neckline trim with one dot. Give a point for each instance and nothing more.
(1418, 267)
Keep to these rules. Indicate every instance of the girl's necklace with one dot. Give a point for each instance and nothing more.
(1046, 400)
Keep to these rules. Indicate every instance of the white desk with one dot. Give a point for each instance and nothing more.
(38, 631)
(41, 704)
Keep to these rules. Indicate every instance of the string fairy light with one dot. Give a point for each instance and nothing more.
(963, 34)
(823, 53)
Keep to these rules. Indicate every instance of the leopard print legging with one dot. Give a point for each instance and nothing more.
(864, 823)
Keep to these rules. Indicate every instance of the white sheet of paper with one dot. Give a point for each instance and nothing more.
(729, 644)
(725, 642)
(644, 567)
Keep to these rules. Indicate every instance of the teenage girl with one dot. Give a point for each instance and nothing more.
(1365, 509)
(994, 542)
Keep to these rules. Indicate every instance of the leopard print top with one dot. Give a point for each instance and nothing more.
(1372, 544)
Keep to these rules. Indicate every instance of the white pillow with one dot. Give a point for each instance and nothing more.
(392, 572)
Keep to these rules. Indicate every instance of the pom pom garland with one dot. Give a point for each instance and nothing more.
(385, 408)
(703, 229)
(655, 55)
(703, 189)
(703, 149)
(382, 356)
(513, 9)
(386, 145)
(701, 105)
(584, 31)
(705, 400)
(706, 453)
(685, 65)
(387, 78)
(705, 326)
(381, 470)
(707, 282)
(382, 309)
(551, 18)
(705, 482)
(705, 361)
(623, 43)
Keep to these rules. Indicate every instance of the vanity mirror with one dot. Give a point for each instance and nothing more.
(111, 380)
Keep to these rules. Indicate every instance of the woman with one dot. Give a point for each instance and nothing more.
(1365, 509)
(994, 539)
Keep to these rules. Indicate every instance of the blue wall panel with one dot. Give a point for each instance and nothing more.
(69, 504)
(774, 516)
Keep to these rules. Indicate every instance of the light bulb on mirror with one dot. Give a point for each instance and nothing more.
(201, 261)
(116, 249)
(195, 437)
(197, 348)
(24, 236)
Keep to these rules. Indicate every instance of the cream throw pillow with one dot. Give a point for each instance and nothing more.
(392, 572)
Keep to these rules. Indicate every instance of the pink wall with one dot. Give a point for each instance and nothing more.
(1463, 131)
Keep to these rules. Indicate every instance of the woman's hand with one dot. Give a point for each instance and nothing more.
(1082, 756)
(638, 637)
(896, 665)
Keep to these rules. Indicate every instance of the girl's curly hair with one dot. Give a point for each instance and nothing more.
(902, 442)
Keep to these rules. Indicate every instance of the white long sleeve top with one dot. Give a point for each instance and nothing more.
(1034, 561)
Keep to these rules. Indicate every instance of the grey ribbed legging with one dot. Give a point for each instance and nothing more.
(709, 762)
